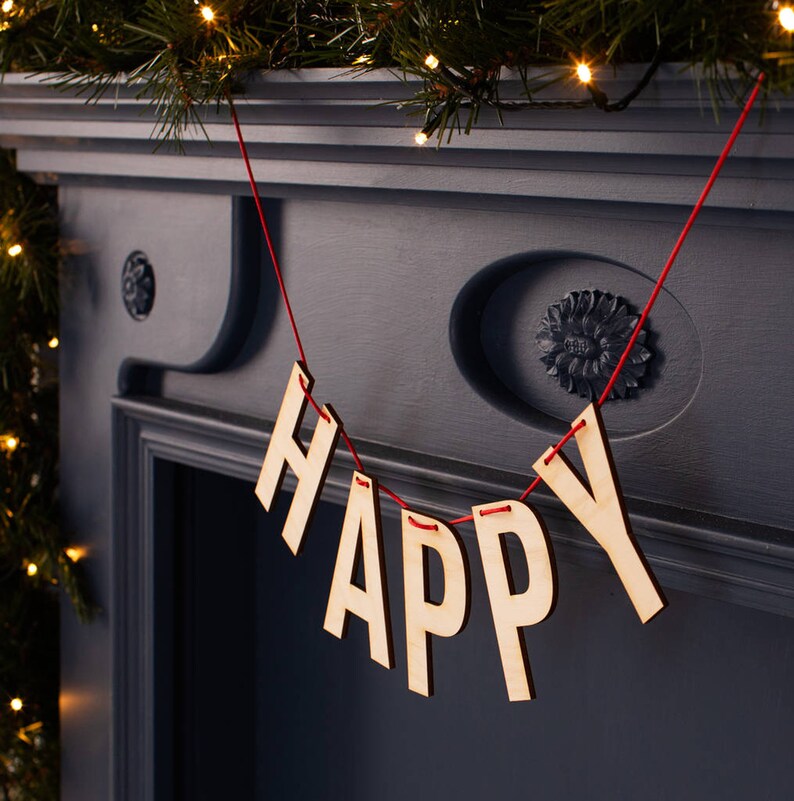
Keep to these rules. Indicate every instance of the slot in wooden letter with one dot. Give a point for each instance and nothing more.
(510, 610)
(601, 510)
(310, 466)
(422, 616)
(362, 516)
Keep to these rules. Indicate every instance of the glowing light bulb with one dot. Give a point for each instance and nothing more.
(420, 138)
(583, 73)
(16, 704)
(11, 443)
(7, 6)
(15, 250)
(786, 18)
(33, 568)
(53, 343)
(431, 61)
(207, 13)
(75, 554)
(95, 27)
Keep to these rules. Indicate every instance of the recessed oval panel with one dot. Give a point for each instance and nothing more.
(496, 317)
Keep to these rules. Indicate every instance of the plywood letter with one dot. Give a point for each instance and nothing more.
(601, 511)
(510, 610)
(371, 604)
(422, 616)
(311, 467)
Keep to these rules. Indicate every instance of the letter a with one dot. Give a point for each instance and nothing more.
(511, 610)
(601, 511)
(422, 616)
(311, 467)
(372, 604)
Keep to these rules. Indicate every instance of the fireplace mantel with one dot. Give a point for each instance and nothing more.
(312, 132)
(416, 275)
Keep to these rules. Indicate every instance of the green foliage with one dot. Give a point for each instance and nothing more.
(183, 62)
(29, 519)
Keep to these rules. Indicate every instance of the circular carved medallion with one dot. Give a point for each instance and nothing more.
(137, 285)
(582, 338)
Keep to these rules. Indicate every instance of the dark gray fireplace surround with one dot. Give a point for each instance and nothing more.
(418, 277)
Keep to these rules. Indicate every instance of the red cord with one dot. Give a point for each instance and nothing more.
(425, 526)
(668, 265)
(395, 498)
(266, 230)
(558, 447)
(352, 450)
(677, 247)
(632, 341)
(531, 488)
(498, 509)
(362, 483)
(313, 401)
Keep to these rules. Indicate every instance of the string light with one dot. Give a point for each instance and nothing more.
(786, 18)
(26, 730)
(207, 13)
(9, 442)
(15, 250)
(75, 554)
(420, 138)
(583, 73)
(7, 6)
(33, 568)
(16, 704)
(53, 343)
(431, 61)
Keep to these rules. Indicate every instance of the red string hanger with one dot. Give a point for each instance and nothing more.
(621, 362)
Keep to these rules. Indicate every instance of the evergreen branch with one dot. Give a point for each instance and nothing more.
(92, 45)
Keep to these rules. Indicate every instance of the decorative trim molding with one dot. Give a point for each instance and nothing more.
(312, 130)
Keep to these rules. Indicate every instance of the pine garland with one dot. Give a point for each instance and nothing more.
(33, 562)
(185, 55)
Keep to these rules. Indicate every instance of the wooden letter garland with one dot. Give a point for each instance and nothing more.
(510, 611)
(423, 617)
(311, 467)
(600, 509)
(362, 517)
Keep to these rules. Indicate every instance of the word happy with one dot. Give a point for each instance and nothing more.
(600, 509)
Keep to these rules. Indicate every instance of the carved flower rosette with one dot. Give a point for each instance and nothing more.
(137, 285)
(582, 338)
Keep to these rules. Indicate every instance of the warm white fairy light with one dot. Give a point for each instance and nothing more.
(53, 343)
(14, 250)
(11, 442)
(75, 554)
(207, 13)
(420, 138)
(32, 569)
(432, 62)
(786, 18)
(16, 704)
(583, 73)
(7, 6)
